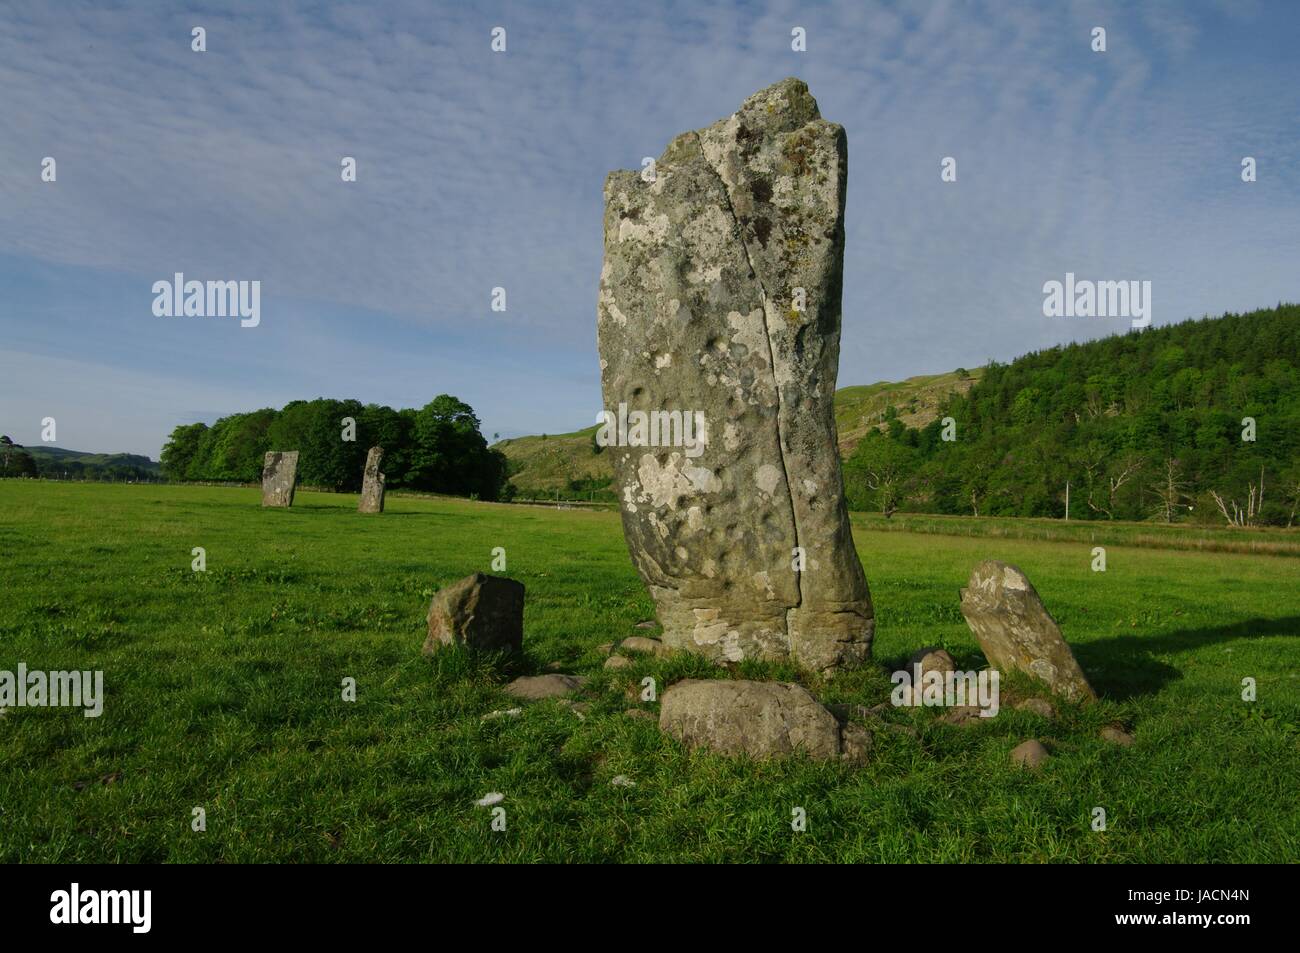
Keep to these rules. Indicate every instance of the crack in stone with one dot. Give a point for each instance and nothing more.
(771, 357)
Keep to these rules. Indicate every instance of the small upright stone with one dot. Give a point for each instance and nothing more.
(1016, 631)
(372, 483)
(480, 612)
(279, 477)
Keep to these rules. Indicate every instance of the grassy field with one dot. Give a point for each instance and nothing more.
(224, 691)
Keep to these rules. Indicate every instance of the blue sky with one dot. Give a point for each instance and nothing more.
(478, 169)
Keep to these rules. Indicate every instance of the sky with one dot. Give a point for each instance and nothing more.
(479, 169)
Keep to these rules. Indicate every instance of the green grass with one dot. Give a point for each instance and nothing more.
(1267, 540)
(223, 691)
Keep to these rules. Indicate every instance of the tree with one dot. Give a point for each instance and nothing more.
(1170, 490)
(1104, 479)
(883, 466)
(181, 450)
(450, 454)
(17, 461)
(1235, 513)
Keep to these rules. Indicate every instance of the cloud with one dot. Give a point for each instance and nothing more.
(479, 170)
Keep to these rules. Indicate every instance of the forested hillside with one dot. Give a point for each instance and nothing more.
(437, 448)
(1198, 420)
(57, 463)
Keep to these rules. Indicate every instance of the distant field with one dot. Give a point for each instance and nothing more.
(223, 691)
(1224, 539)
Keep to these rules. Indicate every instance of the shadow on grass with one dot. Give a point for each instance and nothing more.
(1125, 666)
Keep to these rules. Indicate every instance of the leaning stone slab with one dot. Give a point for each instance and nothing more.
(480, 612)
(758, 719)
(279, 477)
(718, 323)
(372, 483)
(1016, 631)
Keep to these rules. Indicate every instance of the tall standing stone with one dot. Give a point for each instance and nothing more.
(720, 297)
(279, 478)
(372, 483)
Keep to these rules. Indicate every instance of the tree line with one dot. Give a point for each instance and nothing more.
(437, 448)
(1193, 421)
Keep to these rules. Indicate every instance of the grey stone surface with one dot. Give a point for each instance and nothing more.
(931, 660)
(1116, 735)
(1029, 754)
(279, 477)
(537, 687)
(480, 612)
(1037, 706)
(699, 314)
(1016, 631)
(639, 643)
(962, 715)
(855, 744)
(372, 483)
(759, 719)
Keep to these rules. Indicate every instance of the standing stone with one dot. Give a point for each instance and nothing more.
(372, 483)
(1016, 631)
(479, 612)
(720, 305)
(279, 478)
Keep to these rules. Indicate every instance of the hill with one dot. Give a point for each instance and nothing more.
(569, 463)
(1198, 420)
(58, 455)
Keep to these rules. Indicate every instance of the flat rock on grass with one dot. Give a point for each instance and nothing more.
(1037, 706)
(962, 715)
(931, 660)
(1016, 631)
(479, 612)
(1116, 735)
(1029, 754)
(639, 643)
(759, 719)
(537, 687)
